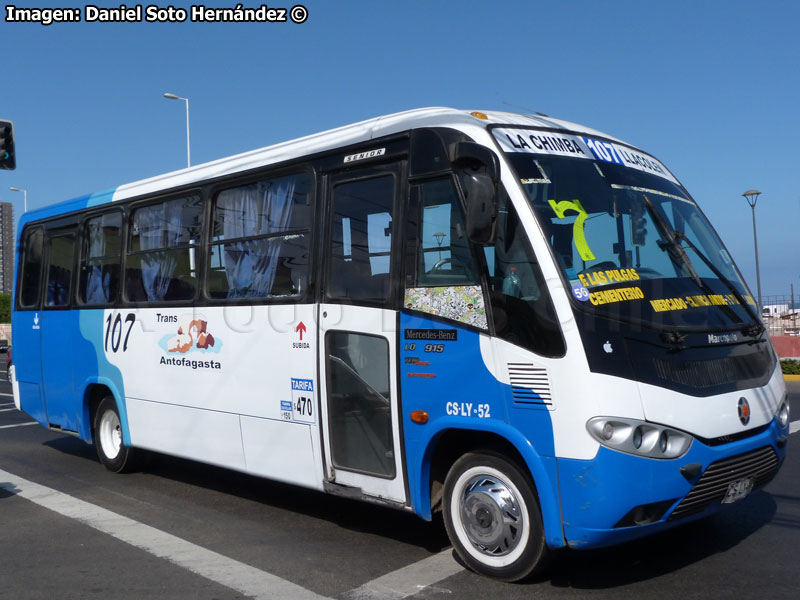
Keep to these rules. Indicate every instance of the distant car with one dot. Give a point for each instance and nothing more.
(3, 345)
(8, 364)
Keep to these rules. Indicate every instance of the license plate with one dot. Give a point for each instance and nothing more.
(738, 490)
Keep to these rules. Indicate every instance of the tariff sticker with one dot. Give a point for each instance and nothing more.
(286, 410)
(580, 292)
(303, 404)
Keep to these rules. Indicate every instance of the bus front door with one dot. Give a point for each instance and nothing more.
(358, 335)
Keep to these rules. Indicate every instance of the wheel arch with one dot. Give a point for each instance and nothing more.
(94, 390)
(450, 443)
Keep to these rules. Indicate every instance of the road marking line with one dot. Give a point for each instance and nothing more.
(6, 409)
(4, 394)
(247, 580)
(794, 427)
(409, 580)
(7, 404)
(25, 424)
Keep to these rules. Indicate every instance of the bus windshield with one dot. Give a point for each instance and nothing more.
(633, 244)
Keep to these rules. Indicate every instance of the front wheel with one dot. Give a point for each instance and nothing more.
(114, 455)
(492, 517)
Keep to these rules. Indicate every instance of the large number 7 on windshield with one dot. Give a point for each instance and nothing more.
(578, 234)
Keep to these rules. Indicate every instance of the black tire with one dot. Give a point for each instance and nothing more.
(492, 516)
(115, 456)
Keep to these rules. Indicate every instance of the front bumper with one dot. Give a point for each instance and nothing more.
(616, 497)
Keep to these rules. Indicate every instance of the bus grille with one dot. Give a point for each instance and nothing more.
(761, 464)
(714, 372)
(530, 386)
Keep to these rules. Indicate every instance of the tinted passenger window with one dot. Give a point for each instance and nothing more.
(30, 279)
(162, 257)
(521, 307)
(444, 257)
(360, 253)
(260, 239)
(60, 252)
(100, 260)
(359, 403)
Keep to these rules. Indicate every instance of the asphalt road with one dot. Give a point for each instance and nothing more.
(70, 529)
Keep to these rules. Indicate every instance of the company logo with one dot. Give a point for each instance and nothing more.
(607, 347)
(727, 338)
(192, 336)
(744, 410)
(195, 335)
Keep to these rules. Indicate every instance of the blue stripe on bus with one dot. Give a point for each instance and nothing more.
(92, 367)
(443, 373)
(61, 208)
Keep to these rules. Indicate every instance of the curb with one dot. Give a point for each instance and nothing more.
(791, 377)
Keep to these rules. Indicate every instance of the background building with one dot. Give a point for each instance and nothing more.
(6, 247)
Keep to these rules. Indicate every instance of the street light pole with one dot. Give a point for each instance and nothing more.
(24, 198)
(188, 152)
(752, 197)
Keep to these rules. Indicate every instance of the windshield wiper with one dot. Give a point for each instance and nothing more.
(672, 242)
(751, 329)
(677, 252)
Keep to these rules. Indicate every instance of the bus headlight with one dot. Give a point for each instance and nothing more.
(783, 413)
(639, 437)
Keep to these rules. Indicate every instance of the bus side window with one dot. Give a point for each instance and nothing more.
(443, 257)
(100, 260)
(31, 272)
(162, 254)
(260, 239)
(60, 251)
(360, 251)
(522, 310)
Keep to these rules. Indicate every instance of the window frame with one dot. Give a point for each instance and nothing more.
(136, 204)
(50, 235)
(395, 167)
(27, 232)
(417, 207)
(213, 192)
(124, 214)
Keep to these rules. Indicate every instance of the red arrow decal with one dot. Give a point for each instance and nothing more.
(301, 328)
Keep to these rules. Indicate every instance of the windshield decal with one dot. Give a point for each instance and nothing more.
(540, 142)
(590, 278)
(697, 301)
(611, 296)
(578, 233)
(563, 144)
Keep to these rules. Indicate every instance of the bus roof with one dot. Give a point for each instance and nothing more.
(377, 127)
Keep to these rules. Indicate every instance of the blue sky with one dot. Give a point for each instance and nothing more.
(710, 88)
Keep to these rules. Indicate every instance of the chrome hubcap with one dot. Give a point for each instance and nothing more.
(110, 434)
(491, 516)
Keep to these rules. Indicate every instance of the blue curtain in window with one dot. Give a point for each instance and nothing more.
(98, 280)
(96, 287)
(261, 209)
(159, 227)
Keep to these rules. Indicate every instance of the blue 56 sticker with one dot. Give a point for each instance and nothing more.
(580, 292)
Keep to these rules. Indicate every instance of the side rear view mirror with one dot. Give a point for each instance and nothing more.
(481, 214)
(478, 169)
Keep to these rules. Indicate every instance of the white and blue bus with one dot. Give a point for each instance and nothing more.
(520, 322)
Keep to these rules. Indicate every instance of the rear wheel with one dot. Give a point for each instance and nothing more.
(493, 518)
(114, 455)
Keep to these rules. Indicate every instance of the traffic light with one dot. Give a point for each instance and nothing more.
(638, 225)
(8, 158)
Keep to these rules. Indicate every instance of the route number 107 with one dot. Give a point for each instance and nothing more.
(115, 329)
